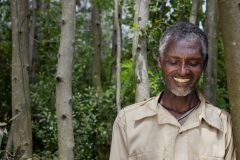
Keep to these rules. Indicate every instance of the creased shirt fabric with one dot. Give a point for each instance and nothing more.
(147, 131)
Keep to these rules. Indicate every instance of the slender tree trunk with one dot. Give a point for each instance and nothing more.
(115, 45)
(230, 28)
(96, 57)
(161, 11)
(182, 10)
(44, 5)
(210, 75)
(114, 54)
(194, 12)
(22, 127)
(139, 51)
(32, 37)
(119, 49)
(64, 81)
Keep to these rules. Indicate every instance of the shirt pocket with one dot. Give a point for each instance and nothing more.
(209, 158)
(148, 156)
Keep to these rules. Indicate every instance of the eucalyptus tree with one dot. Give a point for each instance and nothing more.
(21, 124)
(211, 29)
(97, 48)
(118, 31)
(64, 81)
(230, 29)
(32, 38)
(194, 11)
(139, 50)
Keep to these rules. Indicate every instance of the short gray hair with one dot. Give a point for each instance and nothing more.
(183, 31)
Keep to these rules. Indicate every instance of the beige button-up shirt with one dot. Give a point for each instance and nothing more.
(147, 131)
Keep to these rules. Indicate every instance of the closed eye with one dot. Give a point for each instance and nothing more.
(193, 63)
(172, 62)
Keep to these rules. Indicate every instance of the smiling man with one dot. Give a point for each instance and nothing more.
(178, 124)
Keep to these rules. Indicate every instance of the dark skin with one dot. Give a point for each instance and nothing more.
(181, 66)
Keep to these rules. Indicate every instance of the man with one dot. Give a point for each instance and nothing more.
(178, 124)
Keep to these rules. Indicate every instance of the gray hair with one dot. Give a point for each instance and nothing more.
(183, 31)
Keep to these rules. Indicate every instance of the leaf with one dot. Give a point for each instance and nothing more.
(3, 124)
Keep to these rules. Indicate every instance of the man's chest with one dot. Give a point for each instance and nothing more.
(151, 141)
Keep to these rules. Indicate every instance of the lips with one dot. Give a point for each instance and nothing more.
(181, 80)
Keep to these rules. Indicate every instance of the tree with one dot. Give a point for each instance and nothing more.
(64, 81)
(210, 75)
(22, 129)
(194, 11)
(161, 11)
(32, 36)
(139, 50)
(115, 43)
(96, 55)
(118, 102)
(230, 27)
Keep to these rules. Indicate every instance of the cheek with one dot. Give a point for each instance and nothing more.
(197, 71)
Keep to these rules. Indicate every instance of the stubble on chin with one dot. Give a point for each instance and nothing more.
(181, 94)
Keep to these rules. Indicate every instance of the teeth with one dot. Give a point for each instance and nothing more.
(181, 80)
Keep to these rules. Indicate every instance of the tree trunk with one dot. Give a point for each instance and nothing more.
(64, 81)
(44, 5)
(230, 28)
(119, 45)
(194, 12)
(139, 50)
(32, 37)
(161, 11)
(210, 75)
(96, 57)
(115, 45)
(22, 127)
(114, 54)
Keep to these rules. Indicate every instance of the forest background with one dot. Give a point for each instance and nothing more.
(94, 105)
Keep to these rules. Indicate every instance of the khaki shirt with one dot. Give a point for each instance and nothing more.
(147, 131)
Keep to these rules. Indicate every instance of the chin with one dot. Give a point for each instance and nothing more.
(181, 93)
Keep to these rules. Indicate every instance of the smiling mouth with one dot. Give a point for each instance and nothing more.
(181, 80)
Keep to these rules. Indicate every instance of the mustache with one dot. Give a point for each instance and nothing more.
(182, 77)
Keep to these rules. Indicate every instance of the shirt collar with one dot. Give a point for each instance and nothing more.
(147, 108)
(210, 114)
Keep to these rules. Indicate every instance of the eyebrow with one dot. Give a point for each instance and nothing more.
(193, 58)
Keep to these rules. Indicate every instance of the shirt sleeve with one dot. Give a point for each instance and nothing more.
(119, 145)
(230, 151)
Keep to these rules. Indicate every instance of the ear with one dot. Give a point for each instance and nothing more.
(205, 62)
(159, 60)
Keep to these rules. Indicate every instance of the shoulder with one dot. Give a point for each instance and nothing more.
(218, 117)
(216, 110)
(138, 110)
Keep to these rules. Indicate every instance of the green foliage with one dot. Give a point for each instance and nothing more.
(42, 86)
(5, 60)
(92, 117)
(127, 83)
(3, 131)
(223, 99)
(5, 70)
(44, 119)
(93, 120)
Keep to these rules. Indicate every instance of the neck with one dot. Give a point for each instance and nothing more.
(178, 104)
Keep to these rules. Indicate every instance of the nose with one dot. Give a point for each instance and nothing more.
(183, 70)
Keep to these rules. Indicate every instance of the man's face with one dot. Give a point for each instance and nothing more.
(182, 66)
